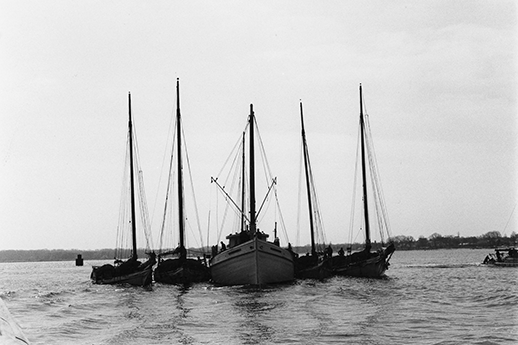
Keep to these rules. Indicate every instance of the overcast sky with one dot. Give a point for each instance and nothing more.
(439, 79)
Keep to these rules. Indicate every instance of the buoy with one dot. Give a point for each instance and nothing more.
(79, 260)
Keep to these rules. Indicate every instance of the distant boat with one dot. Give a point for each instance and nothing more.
(503, 257)
(249, 258)
(179, 269)
(315, 265)
(364, 263)
(130, 271)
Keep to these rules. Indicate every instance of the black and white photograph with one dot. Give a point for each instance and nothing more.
(259, 172)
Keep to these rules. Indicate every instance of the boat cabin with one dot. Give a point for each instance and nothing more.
(244, 236)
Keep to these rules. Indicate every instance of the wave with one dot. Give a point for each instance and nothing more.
(463, 265)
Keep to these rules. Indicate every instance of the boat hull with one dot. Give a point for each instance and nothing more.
(255, 262)
(138, 278)
(504, 257)
(363, 264)
(176, 271)
(371, 268)
(505, 264)
(308, 268)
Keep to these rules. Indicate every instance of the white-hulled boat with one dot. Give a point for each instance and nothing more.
(254, 262)
(249, 258)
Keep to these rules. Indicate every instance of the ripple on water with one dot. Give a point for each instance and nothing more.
(423, 301)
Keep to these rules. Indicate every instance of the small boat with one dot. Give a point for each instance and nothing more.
(249, 258)
(130, 271)
(503, 257)
(367, 262)
(314, 265)
(179, 268)
(10, 332)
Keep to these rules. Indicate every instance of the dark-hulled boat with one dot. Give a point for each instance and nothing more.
(314, 265)
(503, 257)
(130, 271)
(174, 266)
(367, 262)
(249, 258)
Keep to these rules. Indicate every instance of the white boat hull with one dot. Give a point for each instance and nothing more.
(255, 262)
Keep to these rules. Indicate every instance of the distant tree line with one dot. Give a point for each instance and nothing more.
(58, 255)
(437, 241)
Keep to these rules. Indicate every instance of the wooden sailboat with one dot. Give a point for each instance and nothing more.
(315, 265)
(365, 263)
(249, 258)
(130, 271)
(179, 269)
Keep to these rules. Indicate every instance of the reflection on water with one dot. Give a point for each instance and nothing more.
(254, 306)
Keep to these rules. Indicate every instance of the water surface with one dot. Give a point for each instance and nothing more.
(428, 297)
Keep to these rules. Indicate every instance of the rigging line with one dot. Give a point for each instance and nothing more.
(218, 230)
(170, 136)
(274, 182)
(192, 188)
(379, 189)
(223, 221)
(165, 155)
(208, 230)
(236, 178)
(376, 200)
(142, 202)
(281, 218)
(236, 146)
(267, 170)
(266, 167)
(375, 187)
(188, 225)
(508, 220)
(228, 197)
(122, 202)
(317, 215)
(170, 183)
(383, 222)
(232, 169)
(211, 201)
(299, 197)
(355, 185)
(144, 211)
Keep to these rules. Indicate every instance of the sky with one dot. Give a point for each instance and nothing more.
(439, 81)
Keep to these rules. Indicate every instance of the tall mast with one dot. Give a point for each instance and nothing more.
(243, 187)
(180, 172)
(308, 185)
(132, 184)
(252, 173)
(364, 178)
